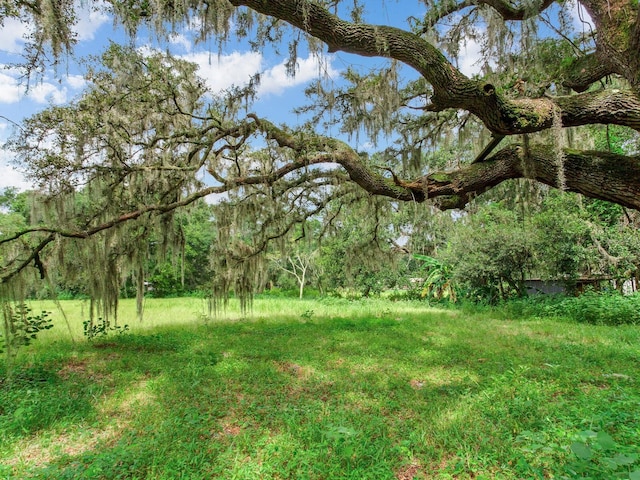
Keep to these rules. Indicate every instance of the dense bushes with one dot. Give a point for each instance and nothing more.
(598, 308)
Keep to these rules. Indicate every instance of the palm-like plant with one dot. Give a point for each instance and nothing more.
(439, 282)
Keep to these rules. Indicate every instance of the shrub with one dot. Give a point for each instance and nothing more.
(20, 327)
(601, 308)
(597, 308)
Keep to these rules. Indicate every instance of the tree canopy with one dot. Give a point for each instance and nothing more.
(147, 138)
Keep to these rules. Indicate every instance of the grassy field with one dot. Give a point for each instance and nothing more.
(323, 389)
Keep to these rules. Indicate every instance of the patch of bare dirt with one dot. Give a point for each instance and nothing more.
(338, 362)
(84, 367)
(231, 430)
(435, 469)
(137, 396)
(37, 455)
(294, 369)
(74, 367)
(417, 384)
(230, 426)
(591, 387)
(408, 472)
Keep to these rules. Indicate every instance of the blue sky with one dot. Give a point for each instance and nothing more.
(235, 64)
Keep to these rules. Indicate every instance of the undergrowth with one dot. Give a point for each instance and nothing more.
(596, 308)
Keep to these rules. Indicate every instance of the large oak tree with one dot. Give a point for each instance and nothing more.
(139, 138)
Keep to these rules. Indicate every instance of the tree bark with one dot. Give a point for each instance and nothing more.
(605, 176)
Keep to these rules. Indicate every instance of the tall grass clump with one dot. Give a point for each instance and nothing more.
(601, 308)
(595, 308)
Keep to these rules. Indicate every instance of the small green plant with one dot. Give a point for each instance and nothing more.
(599, 454)
(593, 455)
(439, 284)
(20, 328)
(101, 328)
(308, 314)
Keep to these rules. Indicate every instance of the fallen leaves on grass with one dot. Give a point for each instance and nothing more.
(408, 472)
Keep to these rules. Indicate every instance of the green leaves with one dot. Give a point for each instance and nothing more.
(491, 253)
(605, 441)
(19, 328)
(439, 283)
(101, 328)
(582, 451)
(599, 454)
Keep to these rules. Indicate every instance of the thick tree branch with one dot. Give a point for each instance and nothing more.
(451, 88)
(616, 107)
(505, 9)
(584, 71)
(595, 174)
(634, 46)
(314, 149)
(585, 172)
(600, 175)
(33, 255)
(508, 12)
(364, 39)
(616, 23)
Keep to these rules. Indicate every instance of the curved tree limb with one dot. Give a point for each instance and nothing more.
(595, 174)
(600, 175)
(586, 70)
(505, 9)
(33, 255)
(586, 172)
(452, 89)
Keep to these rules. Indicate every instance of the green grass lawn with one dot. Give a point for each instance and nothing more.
(323, 389)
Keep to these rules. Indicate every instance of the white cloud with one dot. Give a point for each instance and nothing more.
(221, 72)
(48, 93)
(13, 34)
(366, 147)
(275, 80)
(10, 89)
(147, 50)
(469, 58)
(216, 198)
(91, 17)
(76, 81)
(181, 40)
(9, 176)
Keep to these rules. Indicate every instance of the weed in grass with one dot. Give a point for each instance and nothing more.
(307, 315)
(19, 328)
(101, 328)
(33, 401)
